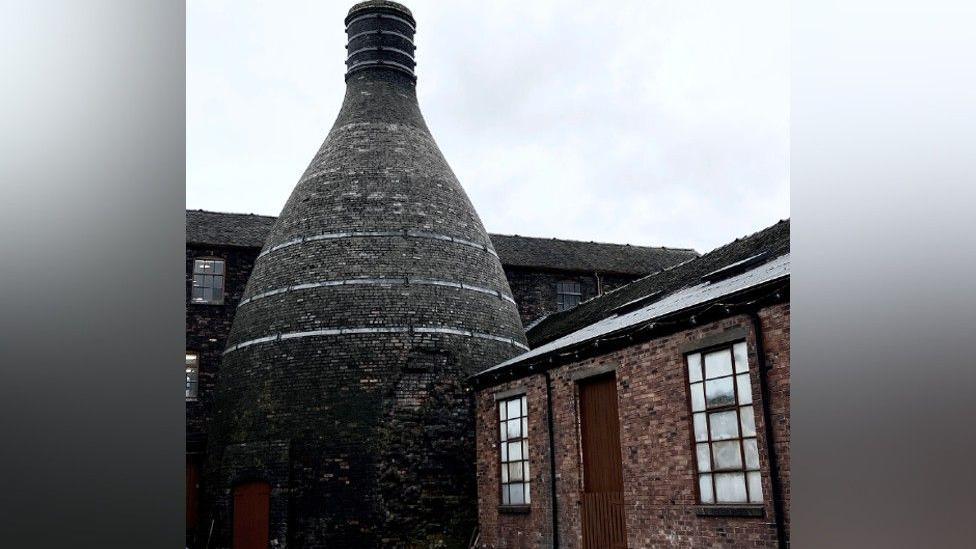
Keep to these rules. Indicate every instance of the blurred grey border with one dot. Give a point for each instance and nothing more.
(91, 273)
(884, 297)
(91, 282)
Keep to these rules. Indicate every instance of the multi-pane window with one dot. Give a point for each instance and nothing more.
(726, 451)
(192, 375)
(567, 294)
(208, 281)
(514, 444)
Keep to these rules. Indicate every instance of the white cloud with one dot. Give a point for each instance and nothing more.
(662, 123)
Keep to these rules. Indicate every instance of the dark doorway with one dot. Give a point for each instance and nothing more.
(603, 485)
(251, 506)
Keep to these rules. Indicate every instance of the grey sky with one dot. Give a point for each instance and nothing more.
(658, 123)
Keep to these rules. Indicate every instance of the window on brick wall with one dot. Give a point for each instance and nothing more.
(514, 448)
(724, 426)
(567, 294)
(208, 281)
(192, 375)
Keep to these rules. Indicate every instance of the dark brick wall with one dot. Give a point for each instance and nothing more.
(535, 289)
(656, 447)
(207, 328)
(374, 428)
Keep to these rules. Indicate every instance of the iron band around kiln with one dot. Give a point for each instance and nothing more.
(377, 330)
(378, 234)
(399, 281)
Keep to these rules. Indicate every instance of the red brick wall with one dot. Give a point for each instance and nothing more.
(501, 529)
(776, 336)
(656, 447)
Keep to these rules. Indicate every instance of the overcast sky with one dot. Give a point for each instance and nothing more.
(655, 123)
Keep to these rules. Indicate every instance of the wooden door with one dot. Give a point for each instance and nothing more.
(192, 491)
(602, 497)
(251, 506)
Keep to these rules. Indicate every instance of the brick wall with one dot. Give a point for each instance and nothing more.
(656, 448)
(776, 332)
(512, 529)
(534, 290)
(207, 326)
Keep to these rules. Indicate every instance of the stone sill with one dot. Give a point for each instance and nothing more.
(514, 509)
(730, 511)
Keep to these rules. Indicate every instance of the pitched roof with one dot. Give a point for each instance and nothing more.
(773, 241)
(249, 230)
(227, 229)
(773, 271)
(574, 255)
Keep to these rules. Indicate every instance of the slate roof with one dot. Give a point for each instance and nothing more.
(250, 230)
(227, 229)
(774, 271)
(774, 241)
(574, 255)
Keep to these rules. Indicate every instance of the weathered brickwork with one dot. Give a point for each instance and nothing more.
(776, 332)
(535, 289)
(376, 295)
(511, 528)
(207, 328)
(656, 446)
(533, 266)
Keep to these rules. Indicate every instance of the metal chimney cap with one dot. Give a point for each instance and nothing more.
(379, 5)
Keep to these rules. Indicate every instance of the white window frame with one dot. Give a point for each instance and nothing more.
(192, 376)
(513, 451)
(725, 453)
(205, 276)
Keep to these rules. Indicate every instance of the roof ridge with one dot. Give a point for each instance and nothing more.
(550, 238)
(201, 210)
(744, 237)
(700, 256)
(647, 285)
(540, 238)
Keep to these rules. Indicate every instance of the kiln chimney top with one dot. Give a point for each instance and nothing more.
(373, 5)
(380, 36)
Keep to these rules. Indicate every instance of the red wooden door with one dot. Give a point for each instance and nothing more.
(603, 485)
(192, 491)
(251, 506)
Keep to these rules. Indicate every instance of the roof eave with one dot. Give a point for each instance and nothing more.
(223, 244)
(755, 297)
(586, 270)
